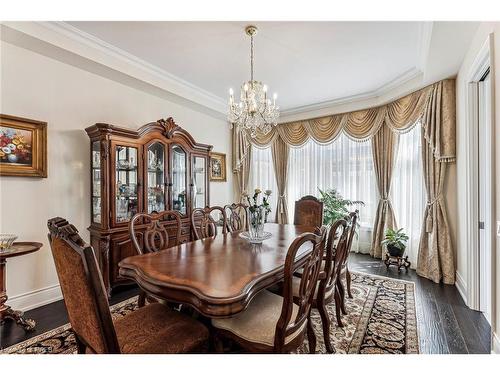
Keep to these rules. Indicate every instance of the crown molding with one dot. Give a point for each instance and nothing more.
(409, 75)
(414, 74)
(162, 83)
(59, 39)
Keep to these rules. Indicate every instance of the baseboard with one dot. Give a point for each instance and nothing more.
(495, 347)
(461, 286)
(36, 298)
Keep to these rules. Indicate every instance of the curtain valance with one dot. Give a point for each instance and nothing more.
(399, 115)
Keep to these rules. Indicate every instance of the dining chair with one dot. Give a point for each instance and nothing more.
(204, 224)
(345, 273)
(308, 211)
(154, 236)
(237, 216)
(151, 329)
(273, 323)
(326, 290)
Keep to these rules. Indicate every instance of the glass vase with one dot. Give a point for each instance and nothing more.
(257, 220)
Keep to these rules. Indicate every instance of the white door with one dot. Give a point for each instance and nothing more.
(485, 201)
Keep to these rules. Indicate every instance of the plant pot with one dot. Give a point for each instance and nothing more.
(395, 251)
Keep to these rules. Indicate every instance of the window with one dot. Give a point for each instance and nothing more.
(344, 165)
(262, 176)
(408, 191)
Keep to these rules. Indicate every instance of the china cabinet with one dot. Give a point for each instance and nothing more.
(155, 168)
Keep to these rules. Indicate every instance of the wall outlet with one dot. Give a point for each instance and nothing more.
(498, 228)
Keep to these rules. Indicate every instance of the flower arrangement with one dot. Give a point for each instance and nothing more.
(13, 147)
(253, 204)
(258, 212)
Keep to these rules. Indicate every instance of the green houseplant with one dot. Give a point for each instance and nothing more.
(336, 207)
(395, 241)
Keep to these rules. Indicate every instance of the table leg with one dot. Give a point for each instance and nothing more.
(6, 312)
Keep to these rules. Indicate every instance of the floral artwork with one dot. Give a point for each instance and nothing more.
(15, 146)
(23, 147)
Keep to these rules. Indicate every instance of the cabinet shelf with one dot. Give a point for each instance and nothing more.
(129, 169)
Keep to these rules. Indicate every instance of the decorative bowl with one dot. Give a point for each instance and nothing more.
(6, 241)
(246, 236)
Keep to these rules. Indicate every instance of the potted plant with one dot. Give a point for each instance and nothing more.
(336, 207)
(395, 241)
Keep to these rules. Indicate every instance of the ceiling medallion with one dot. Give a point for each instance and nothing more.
(255, 112)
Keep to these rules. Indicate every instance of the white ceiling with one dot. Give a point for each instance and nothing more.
(304, 62)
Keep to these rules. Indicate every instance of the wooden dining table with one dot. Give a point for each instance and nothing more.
(220, 275)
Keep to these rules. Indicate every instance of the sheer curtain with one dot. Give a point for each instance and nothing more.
(408, 191)
(344, 165)
(262, 176)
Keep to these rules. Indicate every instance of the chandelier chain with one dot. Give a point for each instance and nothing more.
(251, 58)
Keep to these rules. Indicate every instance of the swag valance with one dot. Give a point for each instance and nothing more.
(434, 104)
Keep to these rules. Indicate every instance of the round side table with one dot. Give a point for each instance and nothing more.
(6, 312)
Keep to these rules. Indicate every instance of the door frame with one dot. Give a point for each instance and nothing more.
(482, 63)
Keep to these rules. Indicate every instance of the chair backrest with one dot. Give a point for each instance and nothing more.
(155, 235)
(82, 287)
(237, 216)
(307, 287)
(336, 247)
(308, 211)
(204, 224)
(353, 218)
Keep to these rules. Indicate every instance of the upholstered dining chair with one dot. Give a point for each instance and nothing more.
(237, 216)
(326, 290)
(205, 225)
(276, 324)
(308, 211)
(345, 274)
(149, 233)
(151, 329)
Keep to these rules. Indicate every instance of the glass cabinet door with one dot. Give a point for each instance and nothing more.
(199, 181)
(178, 194)
(96, 182)
(156, 177)
(126, 183)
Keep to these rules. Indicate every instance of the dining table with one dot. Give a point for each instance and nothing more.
(218, 276)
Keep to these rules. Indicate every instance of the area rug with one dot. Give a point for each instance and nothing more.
(381, 319)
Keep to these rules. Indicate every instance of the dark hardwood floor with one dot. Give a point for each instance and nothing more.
(445, 324)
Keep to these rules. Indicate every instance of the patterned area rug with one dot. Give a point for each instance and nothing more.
(381, 319)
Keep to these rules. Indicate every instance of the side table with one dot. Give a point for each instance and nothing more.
(397, 261)
(6, 312)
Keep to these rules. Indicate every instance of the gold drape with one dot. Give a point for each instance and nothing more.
(241, 157)
(436, 257)
(384, 148)
(433, 107)
(280, 152)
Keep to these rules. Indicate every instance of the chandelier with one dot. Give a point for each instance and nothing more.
(255, 111)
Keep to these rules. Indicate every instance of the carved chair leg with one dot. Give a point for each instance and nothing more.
(340, 288)
(141, 301)
(217, 343)
(337, 308)
(311, 336)
(348, 281)
(325, 322)
(80, 346)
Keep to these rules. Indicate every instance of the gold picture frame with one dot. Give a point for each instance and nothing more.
(217, 166)
(23, 147)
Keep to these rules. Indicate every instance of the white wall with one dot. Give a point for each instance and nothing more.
(462, 81)
(69, 99)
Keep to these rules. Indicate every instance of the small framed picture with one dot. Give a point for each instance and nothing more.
(23, 147)
(217, 166)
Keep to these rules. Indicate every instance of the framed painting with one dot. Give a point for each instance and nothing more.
(217, 166)
(23, 147)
